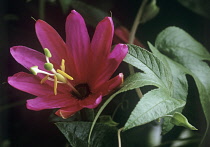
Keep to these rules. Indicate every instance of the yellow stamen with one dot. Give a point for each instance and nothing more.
(65, 74)
(55, 85)
(44, 79)
(63, 65)
(61, 78)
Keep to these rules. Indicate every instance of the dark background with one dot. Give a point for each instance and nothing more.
(20, 127)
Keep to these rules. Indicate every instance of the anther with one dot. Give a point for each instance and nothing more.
(62, 65)
(61, 78)
(47, 53)
(65, 74)
(48, 66)
(34, 70)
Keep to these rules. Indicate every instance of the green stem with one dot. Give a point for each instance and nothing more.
(98, 114)
(136, 22)
(42, 9)
(132, 37)
(119, 138)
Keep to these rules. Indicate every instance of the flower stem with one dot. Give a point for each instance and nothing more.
(132, 37)
(119, 138)
(42, 9)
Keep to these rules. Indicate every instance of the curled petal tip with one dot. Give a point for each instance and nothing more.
(108, 19)
(64, 114)
(38, 22)
(12, 48)
(121, 75)
(74, 11)
(124, 46)
(9, 80)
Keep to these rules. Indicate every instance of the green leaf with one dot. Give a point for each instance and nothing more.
(154, 71)
(158, 102)
(180, 120)
(179, 84)
(201, 7)
(174, 41)
(77, 134)
(153, 105)
(182, 48)
(178, 73)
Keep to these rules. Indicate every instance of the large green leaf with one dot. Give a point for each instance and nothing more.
(182, 48)
(77, 134)
(154, 71)
(154, 104)
(179, 83)
(159, 102)
(201, 7)
(178, 72)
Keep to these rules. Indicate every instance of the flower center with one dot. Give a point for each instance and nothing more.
(59, 75)
(83, 90)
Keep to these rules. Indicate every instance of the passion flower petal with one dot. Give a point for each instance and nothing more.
(54, 101)
(102, 39)
(113, 61)
(91, 102)
(100, 46)
(27, 57)
(78, 42)
(111, 85)
(30, 84)
(68, 111)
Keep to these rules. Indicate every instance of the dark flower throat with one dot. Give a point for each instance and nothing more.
(84, 91)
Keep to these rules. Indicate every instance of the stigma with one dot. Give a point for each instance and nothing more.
(57, 76)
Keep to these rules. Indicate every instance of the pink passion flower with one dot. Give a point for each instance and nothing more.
(73, 75)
